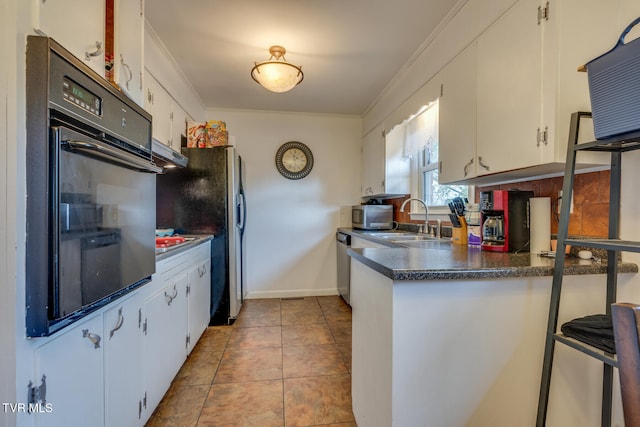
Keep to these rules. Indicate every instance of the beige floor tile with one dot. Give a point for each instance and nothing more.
(337, 314)
(259, 317)
(311, 360)
(181, 406)
(345, 351)
(256, 337)
(302, 316)
(317, 400)
(341, 331)
(242, 365)
(199, 368)
(331, 301)
(299, 303)
(234, 376)
(253, 404)
(312, 333)
(214, 338)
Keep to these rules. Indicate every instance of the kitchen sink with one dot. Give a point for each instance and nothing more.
(388, 234)
(413, 237)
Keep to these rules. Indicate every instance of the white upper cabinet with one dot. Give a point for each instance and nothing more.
(570, 40)
(509, 98)
(129, 47)
(179, 119)
(373, 151)
(457, 111)
(78, 25)
(527, 86)
(158, 104)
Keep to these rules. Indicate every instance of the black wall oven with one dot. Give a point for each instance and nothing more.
(90, 190)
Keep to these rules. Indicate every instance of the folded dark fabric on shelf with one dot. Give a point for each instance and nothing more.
(595, 330)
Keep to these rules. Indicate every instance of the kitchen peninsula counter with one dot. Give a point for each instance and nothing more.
(447, 336)
(445, 260)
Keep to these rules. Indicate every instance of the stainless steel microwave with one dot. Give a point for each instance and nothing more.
(372, 217)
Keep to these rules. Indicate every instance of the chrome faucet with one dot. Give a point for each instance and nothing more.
(426, 211)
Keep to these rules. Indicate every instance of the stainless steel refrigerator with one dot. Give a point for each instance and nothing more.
(207, 197)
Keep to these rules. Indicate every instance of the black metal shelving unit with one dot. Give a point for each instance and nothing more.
(613, 245)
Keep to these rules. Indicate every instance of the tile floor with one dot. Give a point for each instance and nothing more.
(285, 362)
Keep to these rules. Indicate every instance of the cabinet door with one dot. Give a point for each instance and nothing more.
(570, 40)
(457, 121)
(166, 336)
(158, 104)
(123, 363)
(199, 301)
(76, 25)
(179, 120)
(129, 40)
(71, 365)
(509, 90)
(373, 163)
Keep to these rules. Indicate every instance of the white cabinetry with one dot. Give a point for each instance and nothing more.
(385, 171)
(528, 84)
(69, 376)
(123, 363)
(198, 290)
(457, 111)
(129, 47)
(165, 343)
(158, 104)
(79, 26)
(169, 120)
(113, 367)
(179, 119)
(176, 312)
(509, 90)
(373, 162)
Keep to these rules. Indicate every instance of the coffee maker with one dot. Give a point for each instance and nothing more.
(505, 220)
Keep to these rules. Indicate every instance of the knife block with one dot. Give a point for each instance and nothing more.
(459, 234)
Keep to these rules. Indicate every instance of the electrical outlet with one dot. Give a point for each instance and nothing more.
(560, 202)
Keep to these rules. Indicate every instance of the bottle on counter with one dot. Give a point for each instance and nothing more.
(472, 217)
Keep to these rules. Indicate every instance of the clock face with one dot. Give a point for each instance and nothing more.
(294, 160)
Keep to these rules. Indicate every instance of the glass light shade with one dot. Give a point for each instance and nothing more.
(277, 75)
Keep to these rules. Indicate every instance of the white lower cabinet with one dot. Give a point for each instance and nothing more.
(198, 290)
(165, 342)
(123, 361)
(68, 386)
(113, 367)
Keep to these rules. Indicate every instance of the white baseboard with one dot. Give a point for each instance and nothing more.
(291, 293)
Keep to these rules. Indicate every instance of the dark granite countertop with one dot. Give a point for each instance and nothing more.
(444, 260)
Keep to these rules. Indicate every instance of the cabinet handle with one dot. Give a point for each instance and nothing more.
(126, 66)
(466, 167)
(118, 324)
(94, 338)
(202, 271)
(485, 166)
(170, 298)
(97, 52)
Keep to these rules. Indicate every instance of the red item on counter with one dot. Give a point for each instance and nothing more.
(165, 242)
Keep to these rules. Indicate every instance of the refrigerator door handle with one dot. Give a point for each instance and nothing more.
(242, 211)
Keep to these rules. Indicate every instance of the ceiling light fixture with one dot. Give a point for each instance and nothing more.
(276, 74)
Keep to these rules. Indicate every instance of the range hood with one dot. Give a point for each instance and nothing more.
(167, 157)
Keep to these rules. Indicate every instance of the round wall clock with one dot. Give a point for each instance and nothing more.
(294, 160)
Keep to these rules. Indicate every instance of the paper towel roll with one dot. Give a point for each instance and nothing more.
(540, 214)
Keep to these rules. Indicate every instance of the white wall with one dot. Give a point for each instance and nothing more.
(291, 224)
(7, 216)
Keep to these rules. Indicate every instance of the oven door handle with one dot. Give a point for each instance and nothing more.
(104, 151)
